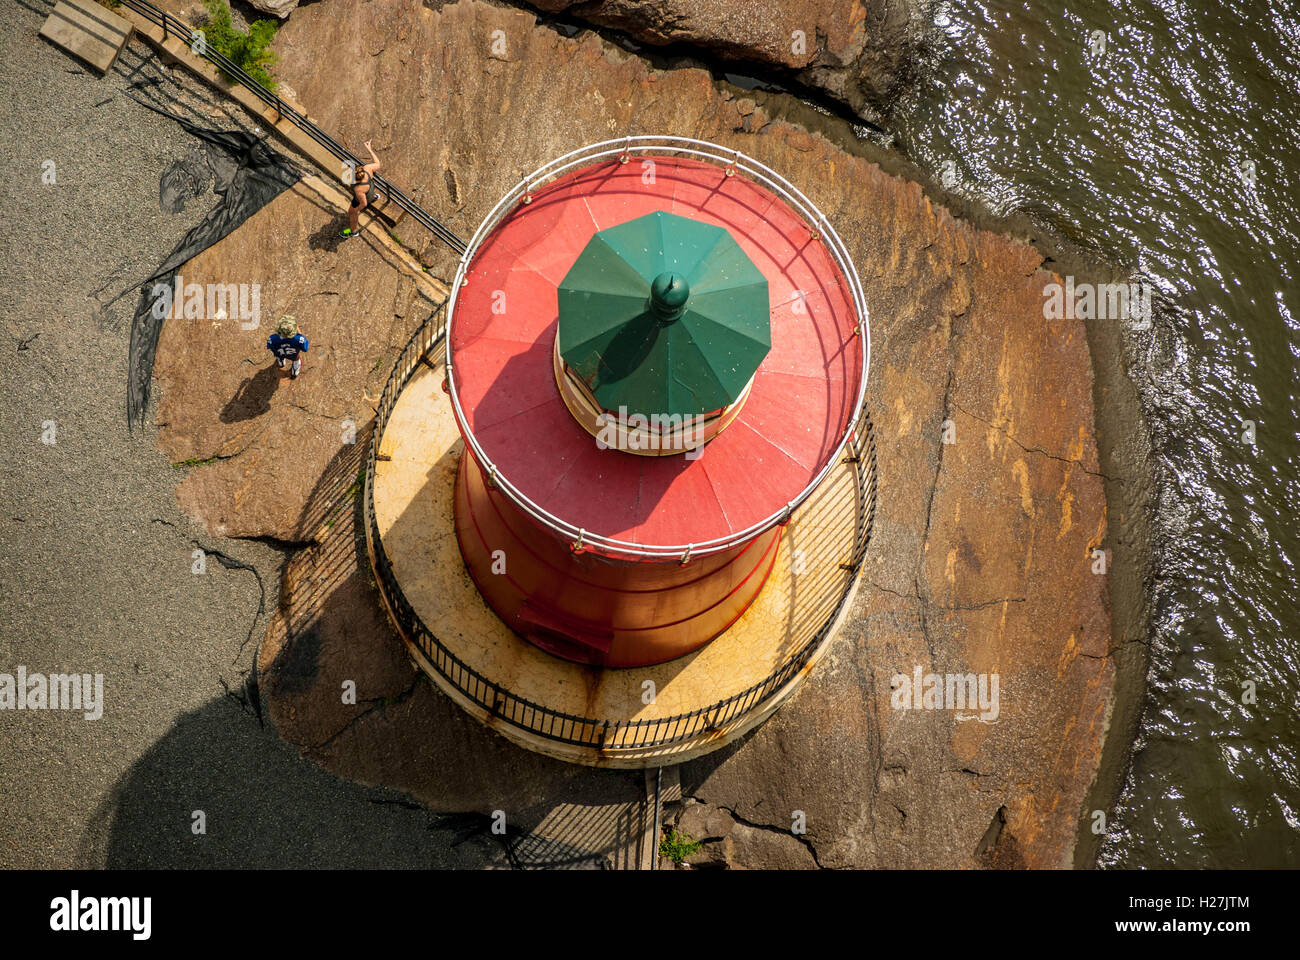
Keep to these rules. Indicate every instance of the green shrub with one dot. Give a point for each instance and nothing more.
(247, 51)
(678, 846)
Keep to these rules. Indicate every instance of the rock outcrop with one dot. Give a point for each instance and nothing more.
(991, 499)
(279, 8)
(860, 52)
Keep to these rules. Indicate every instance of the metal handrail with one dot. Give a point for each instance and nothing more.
(521, 713)
(678, 146)
(173, 25)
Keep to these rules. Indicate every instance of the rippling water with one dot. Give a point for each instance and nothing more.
(1166, 135)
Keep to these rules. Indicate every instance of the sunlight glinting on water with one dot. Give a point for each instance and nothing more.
(1174, 150)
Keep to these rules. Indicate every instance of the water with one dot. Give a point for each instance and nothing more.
(1175, 151)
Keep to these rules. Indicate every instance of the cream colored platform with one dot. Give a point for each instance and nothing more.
(413, 482)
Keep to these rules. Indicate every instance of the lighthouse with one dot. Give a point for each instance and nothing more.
(629, 518)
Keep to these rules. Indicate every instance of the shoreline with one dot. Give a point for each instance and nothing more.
(1117, 424)
(1124, 445)
(614, 73)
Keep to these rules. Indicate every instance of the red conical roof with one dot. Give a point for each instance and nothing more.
(502, 336)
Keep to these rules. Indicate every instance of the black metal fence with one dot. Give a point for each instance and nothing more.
(173, 26)
(428, 341)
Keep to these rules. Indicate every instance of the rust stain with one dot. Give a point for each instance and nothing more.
(1005, 404)
(1069, 653)
(1075, 451)
(1099, 536)
(1066, 499)
(1020, 471)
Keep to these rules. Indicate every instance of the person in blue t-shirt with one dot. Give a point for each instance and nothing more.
(288, 345)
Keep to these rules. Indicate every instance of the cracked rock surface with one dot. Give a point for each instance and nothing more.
(992, 499)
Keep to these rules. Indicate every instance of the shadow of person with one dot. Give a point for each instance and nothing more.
(327, 237)
(253, 398)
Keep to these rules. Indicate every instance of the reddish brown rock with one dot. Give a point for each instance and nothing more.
(982, 555)
(256, 440)
(338, 682)
(730, 844)
(861, 52)
(765, 32)
(320, 665)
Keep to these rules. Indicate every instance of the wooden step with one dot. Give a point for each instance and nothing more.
(88, 31)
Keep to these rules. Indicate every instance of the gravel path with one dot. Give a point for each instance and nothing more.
(97, 558)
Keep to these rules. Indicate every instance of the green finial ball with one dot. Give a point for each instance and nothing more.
(668, 295)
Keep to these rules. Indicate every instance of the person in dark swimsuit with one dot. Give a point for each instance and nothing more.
(363, 192)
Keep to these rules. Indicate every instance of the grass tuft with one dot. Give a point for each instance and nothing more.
(677, 846)
(249, 51)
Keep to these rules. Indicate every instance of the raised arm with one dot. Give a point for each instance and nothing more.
(374, 165)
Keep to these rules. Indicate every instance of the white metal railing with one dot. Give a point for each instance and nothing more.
(621, 150)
